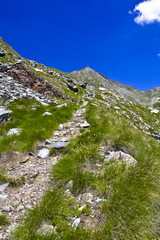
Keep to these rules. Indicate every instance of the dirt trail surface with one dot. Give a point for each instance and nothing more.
(36, 169)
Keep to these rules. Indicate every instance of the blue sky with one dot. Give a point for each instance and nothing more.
(120, 39)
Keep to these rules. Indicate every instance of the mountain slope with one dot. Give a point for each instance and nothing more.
(99, 80)
(79, 161)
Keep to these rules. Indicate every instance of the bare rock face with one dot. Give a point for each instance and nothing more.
(30, 80)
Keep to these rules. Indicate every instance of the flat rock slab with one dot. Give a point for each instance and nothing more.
(59, 145)
(43, 153)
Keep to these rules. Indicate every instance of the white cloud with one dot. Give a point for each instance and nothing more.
(158, 55)
(148, 12)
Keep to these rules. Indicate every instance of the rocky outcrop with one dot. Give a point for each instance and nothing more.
(30, 80)
(11, 90)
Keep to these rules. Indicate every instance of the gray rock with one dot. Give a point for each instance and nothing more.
(68, 193)
(47, 114)
(102, 89)
(8, 208)
(44, 104)
(2, 53)
(28, 206)
(117, 108)
(73, 88)
(46, 229)
(59, 145)
(62, 105)
(3, 187)
(85, 125)
(43, 153)
(61, 127)
(69, 185)
(47, 141)
(76, 223)
(82, 207)
(123, 158)
(20, 208)
(3, 197)
(98, 200)
(87, 197)
(4, 115)
(31, 154)
(54, 103)
(13, 131)
(155, 111)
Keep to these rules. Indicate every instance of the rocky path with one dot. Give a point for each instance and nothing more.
(35, 167)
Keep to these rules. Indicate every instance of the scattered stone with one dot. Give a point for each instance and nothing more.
(76, 223)
(59, 145)
(4, 115)
(3, 187)
(3, 197)
(43, 153)
(98, 200)
(7, 209)
(47, 114)
(47, 142)
(13, 131)
(68, 193)
(82, 207)
(54, 103)
(61, 127)
(34, 107)
(117, 108)
(69, 185)
(34, 174)
(85, 125)
(62, 105)
(46, 229)
(83, 85)
(2, 53)
(124, 158)
(20, 208)
(28, 206)
(155, 111)
(102, 89)
(24, 160)
(57, 133)
(31, 154)
(87, 197)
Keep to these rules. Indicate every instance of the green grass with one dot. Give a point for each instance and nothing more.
(132, 193)
(34, 126)
(3, 220)
(54, 209)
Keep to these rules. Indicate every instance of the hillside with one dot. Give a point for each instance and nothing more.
(79, 154)
(129, 93)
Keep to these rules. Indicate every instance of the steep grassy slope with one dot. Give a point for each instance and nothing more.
(130, 194)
